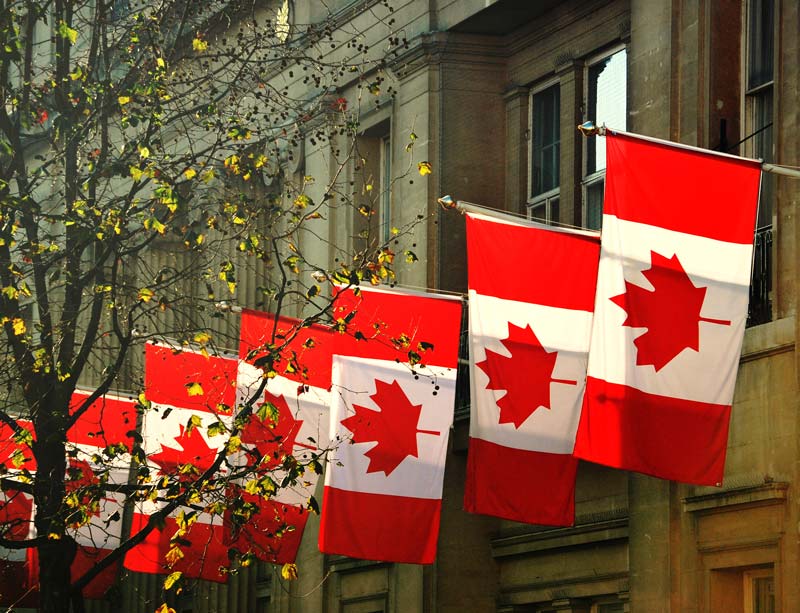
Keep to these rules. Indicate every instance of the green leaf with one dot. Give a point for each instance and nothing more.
(66, 32)
(194, 422)
(215, 429)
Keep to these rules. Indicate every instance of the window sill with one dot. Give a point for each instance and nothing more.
(768, 339)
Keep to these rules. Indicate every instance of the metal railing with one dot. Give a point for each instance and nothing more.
(760, 309)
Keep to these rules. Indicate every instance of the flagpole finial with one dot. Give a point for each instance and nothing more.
(226, 307)
(587, 128)
(447, 202)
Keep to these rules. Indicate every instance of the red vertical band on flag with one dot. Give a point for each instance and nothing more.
(273, 534)
(661, 436)
(305, 359)
(379, 526)
(203, 547)
(388, 325)
(556, 269)
(688, 191)
(170, 383)
(15, 456)
(520, 485)
(107, 420)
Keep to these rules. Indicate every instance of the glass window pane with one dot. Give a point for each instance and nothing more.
(760, 43)
(554, 210)
(546, 146)
(539, 212)
(594, 205)
(607, 104)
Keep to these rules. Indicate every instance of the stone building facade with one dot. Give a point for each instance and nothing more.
(494, 91)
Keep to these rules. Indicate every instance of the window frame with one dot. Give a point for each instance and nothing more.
(586, 184)
(590, 179)
(385, 212)
(546, 198)
(749, 578)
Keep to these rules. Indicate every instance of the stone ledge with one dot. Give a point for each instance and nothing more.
(558, 538)
(343, 564)
(769, 339)
(765, 493)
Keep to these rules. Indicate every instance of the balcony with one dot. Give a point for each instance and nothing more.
(760, 309)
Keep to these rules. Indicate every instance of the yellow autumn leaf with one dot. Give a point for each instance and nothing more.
(123, 100)
(171, 579)
(18, 326)
(165, 609)
(189, 173)
(198, 44)
(160, 62)
(194, 389)
(136, 173)
(145, 294)
(202, 337)
(144, 152)
(289, 572)
(173, 556)
(424, 168)
(234, 444)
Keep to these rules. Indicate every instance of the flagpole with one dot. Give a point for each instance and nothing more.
(589, 129)
(477, 209)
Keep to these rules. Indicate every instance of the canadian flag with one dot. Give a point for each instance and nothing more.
(529, 343)
(297, 386)
(670, 310)
(394, 374)
(188, 392)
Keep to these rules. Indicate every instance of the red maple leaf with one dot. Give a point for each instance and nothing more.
(525, 376)
(670, 312)
(272, 440)
(394, 427)
(193, 451)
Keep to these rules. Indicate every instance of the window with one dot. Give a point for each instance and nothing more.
(373, 185)
(606, 104)
(385, 202)
(758, 117)
(759, 591)
(263, 587)
(545, 152)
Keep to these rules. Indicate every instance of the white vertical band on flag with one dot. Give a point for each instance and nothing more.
(723, 268)
(415, 477)
(310, 407)
(565, 331)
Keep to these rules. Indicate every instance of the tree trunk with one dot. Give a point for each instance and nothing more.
(55, 559)
(57, 551)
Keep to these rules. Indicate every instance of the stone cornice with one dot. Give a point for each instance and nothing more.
(437, 47)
